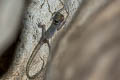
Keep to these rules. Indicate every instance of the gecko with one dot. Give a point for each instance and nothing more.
(57, 23)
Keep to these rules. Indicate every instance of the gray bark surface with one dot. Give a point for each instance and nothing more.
(38, 11)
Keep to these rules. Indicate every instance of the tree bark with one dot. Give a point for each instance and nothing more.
(37, 12)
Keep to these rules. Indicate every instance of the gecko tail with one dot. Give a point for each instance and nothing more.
(35, 51)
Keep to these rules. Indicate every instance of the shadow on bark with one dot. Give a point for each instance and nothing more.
(7, 57)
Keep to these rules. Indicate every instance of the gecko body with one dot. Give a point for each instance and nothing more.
(57, 23)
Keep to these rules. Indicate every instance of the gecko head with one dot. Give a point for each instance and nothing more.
(58, 18)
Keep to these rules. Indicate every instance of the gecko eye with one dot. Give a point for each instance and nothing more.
(57, 22)
(58, 18)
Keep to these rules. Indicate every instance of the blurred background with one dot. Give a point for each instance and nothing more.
(10, 25)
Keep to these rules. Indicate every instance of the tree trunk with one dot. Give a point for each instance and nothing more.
(37, 14)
